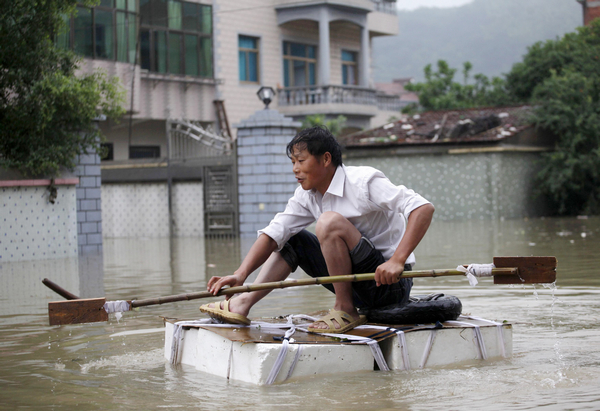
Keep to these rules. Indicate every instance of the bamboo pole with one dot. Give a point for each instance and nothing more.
(303, 282)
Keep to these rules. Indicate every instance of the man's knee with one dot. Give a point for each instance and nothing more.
(330, 223)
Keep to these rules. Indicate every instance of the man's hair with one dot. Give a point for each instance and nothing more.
(317, 140)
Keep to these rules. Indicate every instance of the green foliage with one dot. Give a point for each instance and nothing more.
(47, 112)
(567, 95)
(335, 125)
(561, 78)
(439, 91)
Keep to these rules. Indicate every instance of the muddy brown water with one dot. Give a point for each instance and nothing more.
(120, 365)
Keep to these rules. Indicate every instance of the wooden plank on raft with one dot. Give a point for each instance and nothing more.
(532, 270)
(77, 311)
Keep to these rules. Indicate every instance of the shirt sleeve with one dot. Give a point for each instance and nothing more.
(383, 193)
(290, 222)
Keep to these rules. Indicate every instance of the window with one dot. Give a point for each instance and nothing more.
(248, 59)
(176, 37)
(299, 64)
(144, 152)
(107, 151)
(107, 31)
(349, 67)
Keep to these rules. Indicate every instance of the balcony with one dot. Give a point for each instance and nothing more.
(347, 100)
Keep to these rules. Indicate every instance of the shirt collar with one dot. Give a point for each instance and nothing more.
(336, 187)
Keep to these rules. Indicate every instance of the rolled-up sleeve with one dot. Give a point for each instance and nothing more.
(286, 224)
(382, 192)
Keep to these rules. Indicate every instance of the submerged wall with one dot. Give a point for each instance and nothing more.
(466, 186)
(142, 210)
(31, 226)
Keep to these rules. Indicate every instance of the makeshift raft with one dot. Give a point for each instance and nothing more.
(274, 351)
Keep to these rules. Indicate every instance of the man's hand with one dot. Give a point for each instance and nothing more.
(216, 283)
(388, 273)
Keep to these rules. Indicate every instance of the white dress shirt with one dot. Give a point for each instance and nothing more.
(365, 196)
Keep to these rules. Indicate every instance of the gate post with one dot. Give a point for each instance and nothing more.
(265, 178)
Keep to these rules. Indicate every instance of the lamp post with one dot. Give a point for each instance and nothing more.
(266, 94)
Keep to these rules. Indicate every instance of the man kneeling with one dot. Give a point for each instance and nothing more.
(364, 224)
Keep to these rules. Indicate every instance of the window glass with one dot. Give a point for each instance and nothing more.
(349, 67)
(145, 49)
(191, 55)
(121, 4)
(107, 3)
(160, 51)
(206, 23)
(83, 34)
(206, 66)
(175, 15)
(298, 50)
(131, 5)
(145, 12)
(158, 13)
(103, 30)
(63, 37)
(174, 53)
(191, 20)
(248, 58)
(144, 152)
(132, 31)
(243, 65)
(299, 64)
(121, 37)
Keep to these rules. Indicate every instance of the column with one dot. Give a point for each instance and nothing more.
(365, 51)
(324, 53)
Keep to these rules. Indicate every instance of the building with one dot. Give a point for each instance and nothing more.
(192, 68)
(591, 10)
(188, 59)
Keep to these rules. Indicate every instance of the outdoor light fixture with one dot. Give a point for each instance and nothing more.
(266, 94)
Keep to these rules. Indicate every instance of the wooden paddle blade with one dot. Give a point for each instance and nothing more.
(90, 310)
(532, 270)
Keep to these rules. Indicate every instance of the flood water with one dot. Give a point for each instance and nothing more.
(120, 365)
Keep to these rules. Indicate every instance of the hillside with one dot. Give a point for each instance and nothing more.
(491, 34)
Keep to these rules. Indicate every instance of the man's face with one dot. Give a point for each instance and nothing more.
(311, 172)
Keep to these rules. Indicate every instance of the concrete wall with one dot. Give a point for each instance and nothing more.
(265, 178)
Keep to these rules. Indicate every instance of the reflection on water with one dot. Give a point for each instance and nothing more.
(120, 365)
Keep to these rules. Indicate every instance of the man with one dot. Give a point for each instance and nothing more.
(360, 228)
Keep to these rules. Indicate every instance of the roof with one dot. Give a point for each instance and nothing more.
(493, 124)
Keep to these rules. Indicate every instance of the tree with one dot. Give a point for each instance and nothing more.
(335, 125)
(439, 91)
(561, 79)
(47, 112)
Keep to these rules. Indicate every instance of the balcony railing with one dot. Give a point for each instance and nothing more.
(385, 6)
(311, 95)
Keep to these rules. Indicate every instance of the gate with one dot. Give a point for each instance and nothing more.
(192, 146)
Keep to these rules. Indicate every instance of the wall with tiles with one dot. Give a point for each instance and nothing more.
(32, 228)
(142, 210)
(468, 186)
(265, 178)
(89, 204)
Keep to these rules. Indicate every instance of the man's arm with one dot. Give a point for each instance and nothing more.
(258, 254)
(418, 223)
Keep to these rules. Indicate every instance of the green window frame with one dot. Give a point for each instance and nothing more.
(299, 64)
(248, 59)
(106, 32)
(176, 37)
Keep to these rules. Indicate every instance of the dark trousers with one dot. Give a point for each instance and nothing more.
(304, 250)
